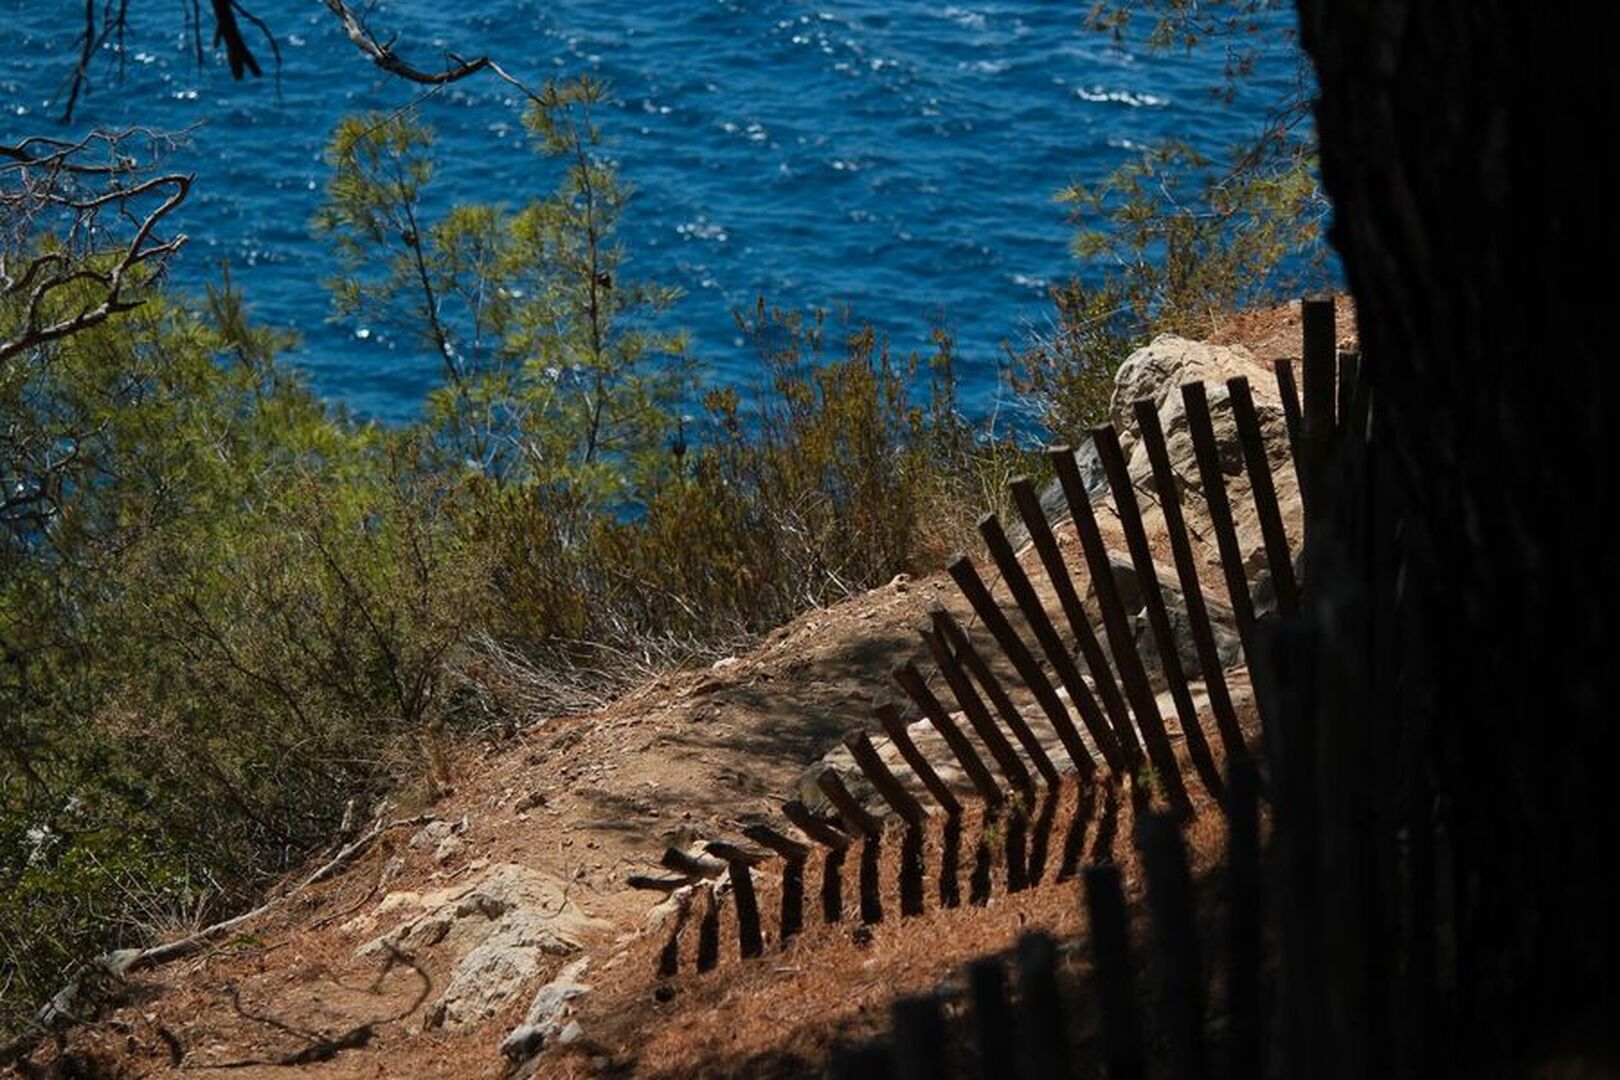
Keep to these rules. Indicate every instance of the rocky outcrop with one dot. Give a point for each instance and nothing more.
(547, 1022)
(504, 928)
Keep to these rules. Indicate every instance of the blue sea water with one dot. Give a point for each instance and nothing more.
(898, 157)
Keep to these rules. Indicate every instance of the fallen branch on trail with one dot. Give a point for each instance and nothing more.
(63, 1010)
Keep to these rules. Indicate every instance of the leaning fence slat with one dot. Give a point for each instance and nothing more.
(848, 806)
(1057, 572)
(967, 579)
(1117, 626)
(1265, 495)
(912, 682)
(921, 1042)
(813, 827)
(1114, 973)
(656, 884)
(1245, 1032)
(1288, 390)
(693, 866)
(866, 756)
(734, 853)
(789, 849)
(962, 647)
(1175, 937)
(895, 727)
(1192, 591)
(1130, 519)
(979, 718)
(1213, 479)
(1056, 654)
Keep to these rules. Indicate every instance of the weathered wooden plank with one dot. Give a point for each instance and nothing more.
(1091, 650)
(1117, 627)
(733, 853)
(1147, 577)
(912, 682)
(963, 649)
(813, 827)
(895, 727)
(848, 806)
(1278, 558)
(789, 849)
(866, 756)
(1056, 654)
(1192, 591)
(979, 718)
(1029, 670)
(1213, 479)
(693, 866)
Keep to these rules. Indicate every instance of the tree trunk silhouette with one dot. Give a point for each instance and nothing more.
(1463, 146)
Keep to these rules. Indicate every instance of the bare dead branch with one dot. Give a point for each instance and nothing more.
(382, 53)
(54, 195)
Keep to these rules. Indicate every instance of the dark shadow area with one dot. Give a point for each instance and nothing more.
(792, 918)
(950, 863)
(832, 886)
(871, 884)
(1040, 837)
(911, 871)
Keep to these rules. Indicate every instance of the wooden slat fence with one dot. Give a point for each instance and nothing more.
(1095, 695)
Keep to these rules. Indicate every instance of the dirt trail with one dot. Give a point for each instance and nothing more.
(533, 849)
